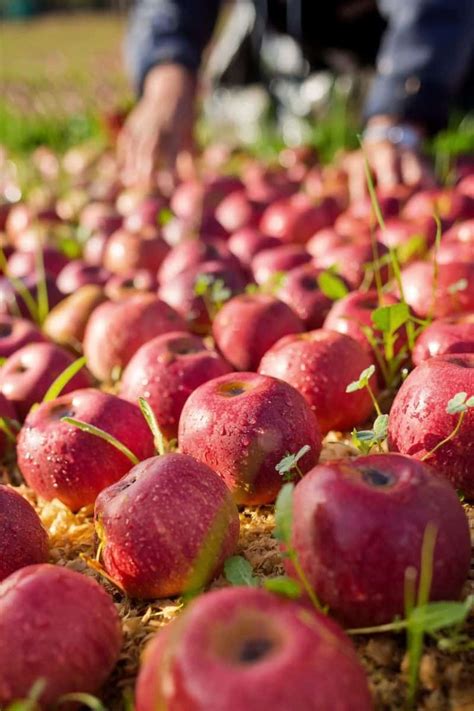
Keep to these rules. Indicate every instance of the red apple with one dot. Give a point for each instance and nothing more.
(454, 291)
(24, 540)
(352, 260)
(117, 329)
(454, 334)
(353, 313)
(419, 420)
(122, 286)
(296, 219)
(307, 362)
(248, 325)
(180, 292)
(94, 248)
(12, 301)
(237, 211)
(166, 370)
(145, 214)
(457, 244)
(300, 290)
(448, 203)
(61, 461)
(100, 217)
(359, 525)
(244, 649)
(78, 273)
(248, 241)
(27, 374)
(193, 252)
(127, 251)
(193, 200)
(399, 231)
(21, 264)
(167, 527)
(242, 425)
(269, 262)
(16, 333)
(58, 626)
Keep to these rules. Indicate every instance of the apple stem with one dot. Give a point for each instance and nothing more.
(97, 432)
(447, 439)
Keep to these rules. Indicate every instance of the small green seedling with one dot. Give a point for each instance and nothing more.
(282, 532)
(214, 293)
(165, 216)
(238, 571)
(331, 285)
(365, 440)
(458, 405)
(364, 382)
(288, 467)
(31, 703)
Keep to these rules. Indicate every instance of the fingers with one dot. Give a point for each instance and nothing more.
(389, 166)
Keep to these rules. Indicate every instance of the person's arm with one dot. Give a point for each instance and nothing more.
(423, 59)
(168, 32)
(164, 48)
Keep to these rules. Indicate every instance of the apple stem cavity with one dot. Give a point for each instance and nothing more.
(97, 432)
(58, 385)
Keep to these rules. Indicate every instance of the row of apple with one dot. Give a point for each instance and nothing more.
(167, 524)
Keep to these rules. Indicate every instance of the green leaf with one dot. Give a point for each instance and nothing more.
(152, 423)
(460, 285)
(381, 427)
(220, 292)
(438, 615)
(202, 284)
(58, 385)
(331, 285)
(238, 571)
(283, 585)
(457, 404)
(363, 380)
(288, 462)
(97, 432)
(364, 435)
(389, 319)
(165, 216)
(284, 514)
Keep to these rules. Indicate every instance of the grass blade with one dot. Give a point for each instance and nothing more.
(58, 385)
(97, 432)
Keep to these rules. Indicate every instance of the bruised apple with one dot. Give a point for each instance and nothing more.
(242, 425)
(167, 527)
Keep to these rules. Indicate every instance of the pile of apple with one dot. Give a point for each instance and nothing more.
(237, 314)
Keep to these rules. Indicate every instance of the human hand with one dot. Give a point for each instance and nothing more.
(160, 128)
(391, 162)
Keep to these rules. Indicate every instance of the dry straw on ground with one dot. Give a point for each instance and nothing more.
(447, 680)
